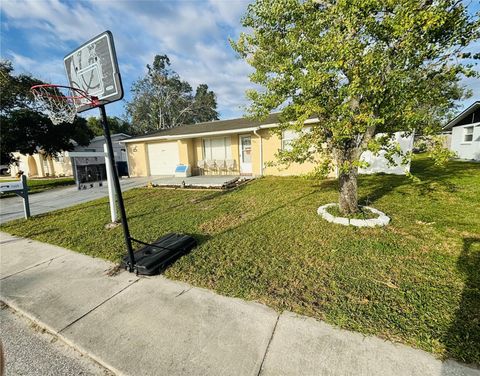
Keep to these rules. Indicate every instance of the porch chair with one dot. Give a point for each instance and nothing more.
(201, 167)
(230, 165)
(221, 166)
(210, 166)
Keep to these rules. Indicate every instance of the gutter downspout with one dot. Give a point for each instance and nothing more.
(261, 150)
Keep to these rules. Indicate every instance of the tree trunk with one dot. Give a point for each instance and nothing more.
(348, 200)
(347, 179)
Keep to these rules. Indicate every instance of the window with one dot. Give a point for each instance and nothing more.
(289, 135)
(217, 148)
(467, 134)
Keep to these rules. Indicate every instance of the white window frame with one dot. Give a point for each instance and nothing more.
(468, 132)
(207, 148)
(287, 140)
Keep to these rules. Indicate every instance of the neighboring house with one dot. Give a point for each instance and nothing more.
(96, 145)
(464, 131)
(236, 146)
(40, 165)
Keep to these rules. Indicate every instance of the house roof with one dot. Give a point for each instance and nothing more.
(216, 127)
(116, 135)
(462, 115)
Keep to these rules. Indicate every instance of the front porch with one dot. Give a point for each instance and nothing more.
(199, 181)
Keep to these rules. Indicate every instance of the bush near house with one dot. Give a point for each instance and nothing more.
(416, 281)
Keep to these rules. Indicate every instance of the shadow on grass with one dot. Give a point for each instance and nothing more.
(184, 203)
(463, 338)
(432, 178)
(263, 215)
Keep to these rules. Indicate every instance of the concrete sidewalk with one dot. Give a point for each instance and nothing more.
(155, 326)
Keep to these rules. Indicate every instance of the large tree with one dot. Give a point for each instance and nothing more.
(162, 99)
(115, 124)
(362, 67)
(26, 130)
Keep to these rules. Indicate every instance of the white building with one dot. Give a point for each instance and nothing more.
(465, 133)
(96, 145)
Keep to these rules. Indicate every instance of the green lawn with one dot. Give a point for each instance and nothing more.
(416, 281)
(41, 185)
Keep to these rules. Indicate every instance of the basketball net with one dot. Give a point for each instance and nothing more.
(60, 102)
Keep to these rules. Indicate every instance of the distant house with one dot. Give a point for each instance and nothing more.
(234, 147)
(464, 131)
(39, 165)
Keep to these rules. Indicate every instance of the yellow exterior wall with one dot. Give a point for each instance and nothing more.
(137, 159)
(256, 144)
(271, 144)
(235, 151)
(197, 149)
(186, 152)
(191, 151)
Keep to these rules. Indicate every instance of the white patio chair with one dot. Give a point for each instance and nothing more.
(221, 167)
(230, 166)
(210, 166)
(201, 167)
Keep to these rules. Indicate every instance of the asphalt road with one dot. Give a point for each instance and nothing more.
(44, 202)
(29, 351)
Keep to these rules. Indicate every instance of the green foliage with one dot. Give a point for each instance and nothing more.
(415, 281)
(115, 124)
(162, 99)
(362, 67)
(438, 152)
(26, 130)
(15, 89)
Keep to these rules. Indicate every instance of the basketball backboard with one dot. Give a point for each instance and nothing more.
(93, 68)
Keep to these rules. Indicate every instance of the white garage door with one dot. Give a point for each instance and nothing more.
(163, 158)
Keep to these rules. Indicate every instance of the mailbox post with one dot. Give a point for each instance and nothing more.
(20, 188)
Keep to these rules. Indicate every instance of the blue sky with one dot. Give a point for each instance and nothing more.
(37, 34)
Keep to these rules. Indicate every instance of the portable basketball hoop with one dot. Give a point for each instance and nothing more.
(60, 103)
(94, 78)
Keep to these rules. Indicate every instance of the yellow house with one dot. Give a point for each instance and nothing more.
(40, 165)
(235, 147)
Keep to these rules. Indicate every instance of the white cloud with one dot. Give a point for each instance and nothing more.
(193, 34)
(46, 71)
(230, 11)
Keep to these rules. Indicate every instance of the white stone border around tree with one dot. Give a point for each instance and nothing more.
(381, 220)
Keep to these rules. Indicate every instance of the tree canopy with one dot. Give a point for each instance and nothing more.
(115, 124)
(162, 99)
(26, 130)
(361, 67)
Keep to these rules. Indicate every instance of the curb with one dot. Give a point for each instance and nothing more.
(59, 336)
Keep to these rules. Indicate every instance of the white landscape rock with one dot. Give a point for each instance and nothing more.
(381, 220)
(358, 222)
(340, 221)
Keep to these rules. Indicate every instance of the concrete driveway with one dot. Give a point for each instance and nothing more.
(44, 202)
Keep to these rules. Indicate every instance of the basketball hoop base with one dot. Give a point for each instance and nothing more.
(153, 258)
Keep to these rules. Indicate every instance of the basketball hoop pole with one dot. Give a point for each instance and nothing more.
(116, 183)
